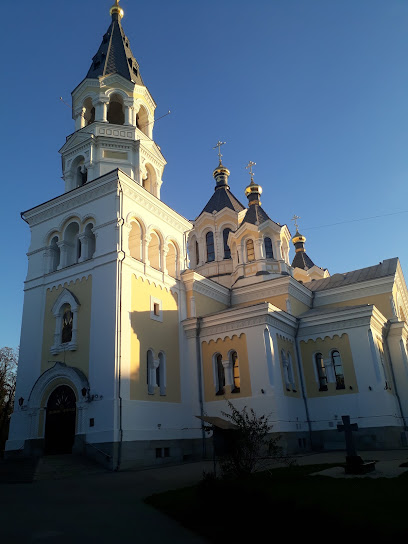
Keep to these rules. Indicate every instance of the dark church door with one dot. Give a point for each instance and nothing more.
(60, 421)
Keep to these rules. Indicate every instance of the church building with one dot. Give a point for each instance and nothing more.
(136, 321)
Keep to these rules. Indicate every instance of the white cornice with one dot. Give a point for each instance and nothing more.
(200, 284)
(72, 199)
(236, 320)
(270, 288)
(148, 201)
(340, 319)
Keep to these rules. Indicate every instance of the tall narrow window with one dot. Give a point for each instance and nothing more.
(268, 248)
(135, 241)
(209, 238)
(250, 250)
(290, 372)
(161, 374)
(338, 370)
(321, 372)
(235, 373)
(220, 375)
(197, 253)
(227, 251)
(67, 322)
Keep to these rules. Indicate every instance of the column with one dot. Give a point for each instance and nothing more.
(101, 109)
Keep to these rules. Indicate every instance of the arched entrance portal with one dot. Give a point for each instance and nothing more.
(60, 421)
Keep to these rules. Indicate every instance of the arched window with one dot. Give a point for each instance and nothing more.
(89, 114)
(154, 251)
(227, 251)
(150, 372)
(116, 113)
(72, 243)
(142, 121)
(89, 242)
(290, 372)
(55, 255)
(197, 253)
(171, 261)
(135, 241)
(209, 239)
(236, 381)
(219, 375)
(321, 372)
(65, 311)
(268, 248)
(285, 369)
(67, 323)
(79, 172)
(250, 250)
(338, 370)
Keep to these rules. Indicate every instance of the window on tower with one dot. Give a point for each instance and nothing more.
(209, 239)
(227, 250)
(268, 248)
(250, 250)
(116, 112)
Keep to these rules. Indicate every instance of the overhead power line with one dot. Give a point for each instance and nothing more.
(355, 220)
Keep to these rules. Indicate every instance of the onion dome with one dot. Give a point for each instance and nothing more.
(221, 175)
(301, 259)
(253, 193)
(116, 11)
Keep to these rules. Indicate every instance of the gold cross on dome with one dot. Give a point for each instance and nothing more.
(249, 166)
(219, 144)
(294, 218)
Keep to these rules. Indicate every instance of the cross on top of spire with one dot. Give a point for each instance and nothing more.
(219, 144)
(249, 166)
(294, 219)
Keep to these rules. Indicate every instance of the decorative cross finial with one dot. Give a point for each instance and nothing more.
(294, 218)
(249, 166)
(219, 144)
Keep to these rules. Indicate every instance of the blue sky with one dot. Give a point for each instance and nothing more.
(313, 91)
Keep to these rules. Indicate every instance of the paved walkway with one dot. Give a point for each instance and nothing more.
(108, 507)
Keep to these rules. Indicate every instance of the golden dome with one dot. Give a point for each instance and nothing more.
(116, 9)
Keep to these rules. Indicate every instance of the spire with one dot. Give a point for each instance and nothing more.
(301, 259)
(221, 174)
(255, 214)
(253, 191)
(114, 55)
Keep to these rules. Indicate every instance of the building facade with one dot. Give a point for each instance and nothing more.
(136, 321)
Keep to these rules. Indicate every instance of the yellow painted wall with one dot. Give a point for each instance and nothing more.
(382, 302)
(79, 358)
(146, 333)
(208, 349)
(288, 346)
(324, 346)
(206, 305)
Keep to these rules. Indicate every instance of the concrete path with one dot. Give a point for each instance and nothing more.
(108, 507)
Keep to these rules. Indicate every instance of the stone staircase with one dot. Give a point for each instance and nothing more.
(56, 467)
(18, 471)
(49, 467)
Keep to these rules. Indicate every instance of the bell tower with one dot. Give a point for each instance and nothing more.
(114, 118)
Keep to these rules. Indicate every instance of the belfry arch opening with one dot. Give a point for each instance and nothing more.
(79, 171)
(89, 113)
(116, 112)
(142, 121)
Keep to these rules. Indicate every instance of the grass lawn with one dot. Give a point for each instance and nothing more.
(288, 502)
